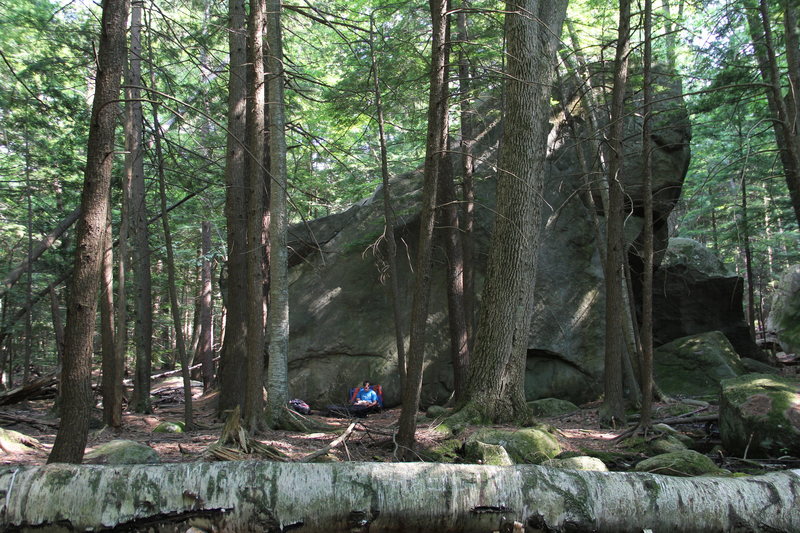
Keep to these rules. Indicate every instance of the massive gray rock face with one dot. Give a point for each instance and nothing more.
(341, 319)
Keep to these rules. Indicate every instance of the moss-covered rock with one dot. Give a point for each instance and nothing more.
(547, 407)
(448, 451)
(581, 462)
(667, 444)
(760, 413)
(169, 427)
(436, 411)
(683, 463)
(121, 452)
(694, 365)
(528, 445)
(486, 454)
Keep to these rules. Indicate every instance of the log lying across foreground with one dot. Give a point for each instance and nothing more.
(267, 496)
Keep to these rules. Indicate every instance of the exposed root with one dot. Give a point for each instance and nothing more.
(235, 444)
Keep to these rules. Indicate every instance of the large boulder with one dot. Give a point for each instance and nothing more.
(695, 365)
(784, 316)
(341, 320)
(122, 452)
(759, 414)
(694, 293)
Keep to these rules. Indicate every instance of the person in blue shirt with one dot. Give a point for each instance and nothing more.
(366, 397)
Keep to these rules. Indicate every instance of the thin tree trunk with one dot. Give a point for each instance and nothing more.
(188, 416)
(253, 411)
(58, 326)
(234, 349)
(434, 150)
(111, 360)
(278, 369)
(612, 411)
(76, 394)
(783, 121)
(454, 275)
(134, 163)
(410, 497)
(646, 334)
(206, 337)
(388, 217)
(467, 169)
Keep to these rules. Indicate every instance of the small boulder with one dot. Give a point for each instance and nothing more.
(547, 407)
(683, 463)
(528, 445)
(581, 462)
(169, 427)
(122, 452)
(486, 454)
(760, 413)
(694, 365)
(667, 444)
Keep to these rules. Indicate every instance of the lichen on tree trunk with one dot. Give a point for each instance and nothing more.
(268, 496)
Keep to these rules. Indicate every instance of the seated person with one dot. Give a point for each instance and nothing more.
(363, 401)
(365, 396)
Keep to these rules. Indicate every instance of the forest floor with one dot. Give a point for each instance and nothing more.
(370, 440)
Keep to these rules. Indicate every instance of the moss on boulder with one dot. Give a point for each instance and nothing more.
(581, 462)
(447, 451)
(169, 427)
(547, 407)
(527, 445)
(694, 365)
(760, 413)
(121, 452)
(486, 454)
(682, 463)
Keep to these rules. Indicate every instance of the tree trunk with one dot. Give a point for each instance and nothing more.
(205, 346)
(234, 354)
(254, 180)
(180, 343)
(112, 360)
(278, 369)
(783, 119)
(76, 396)
(467, 170)
(434, 150)
(134, 166)
(58, 326)
(612, 410)
(454, 275)
(388, 217)
(497, 369)
(646, 332)
(413, 497)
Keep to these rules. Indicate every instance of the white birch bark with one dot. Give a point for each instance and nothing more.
(266, 496)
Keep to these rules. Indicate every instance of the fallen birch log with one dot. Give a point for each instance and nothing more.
(269, 496)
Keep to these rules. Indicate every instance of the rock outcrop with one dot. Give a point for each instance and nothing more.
(341, 322)
(784, 316)
(695, 293)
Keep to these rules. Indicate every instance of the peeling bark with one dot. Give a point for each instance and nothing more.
(267, 496)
